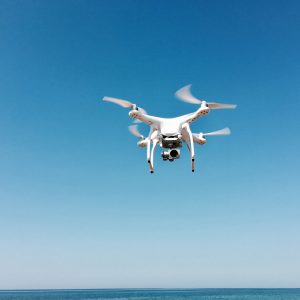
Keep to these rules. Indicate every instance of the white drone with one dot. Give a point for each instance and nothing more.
(169, 133)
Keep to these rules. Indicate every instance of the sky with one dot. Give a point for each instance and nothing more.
(78, 206)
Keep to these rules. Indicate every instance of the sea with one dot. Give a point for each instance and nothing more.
(153, 294)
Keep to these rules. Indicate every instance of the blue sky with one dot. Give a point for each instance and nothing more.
(78, 207)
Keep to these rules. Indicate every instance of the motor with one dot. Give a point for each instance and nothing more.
(171, 154)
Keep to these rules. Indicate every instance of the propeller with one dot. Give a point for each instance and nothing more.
(224, 131)
(121, 102)
(200, 138)
(143, 142)
(184, 94)
(134, 130)
(125, 104)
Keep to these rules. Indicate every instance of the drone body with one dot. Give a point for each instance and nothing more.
(171, 133)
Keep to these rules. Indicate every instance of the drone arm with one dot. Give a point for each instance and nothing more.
(190, 143)
(199, 113)
(143, 117)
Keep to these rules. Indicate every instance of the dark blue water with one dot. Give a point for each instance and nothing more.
(157, 294)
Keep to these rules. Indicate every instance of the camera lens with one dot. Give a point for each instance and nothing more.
(174, 153)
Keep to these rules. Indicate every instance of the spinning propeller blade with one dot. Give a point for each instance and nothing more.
(212, 105)
(121, 102)
(124, 103)
(224, 131)
(134, 130)
(184, 94)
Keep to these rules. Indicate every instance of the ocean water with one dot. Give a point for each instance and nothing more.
(154, 294)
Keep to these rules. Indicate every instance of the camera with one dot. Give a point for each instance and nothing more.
(171, 154)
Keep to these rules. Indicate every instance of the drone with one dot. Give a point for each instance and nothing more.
(171, 133)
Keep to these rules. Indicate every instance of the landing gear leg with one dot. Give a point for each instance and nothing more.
(190, 144)
(148, 154)
(155, 141)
